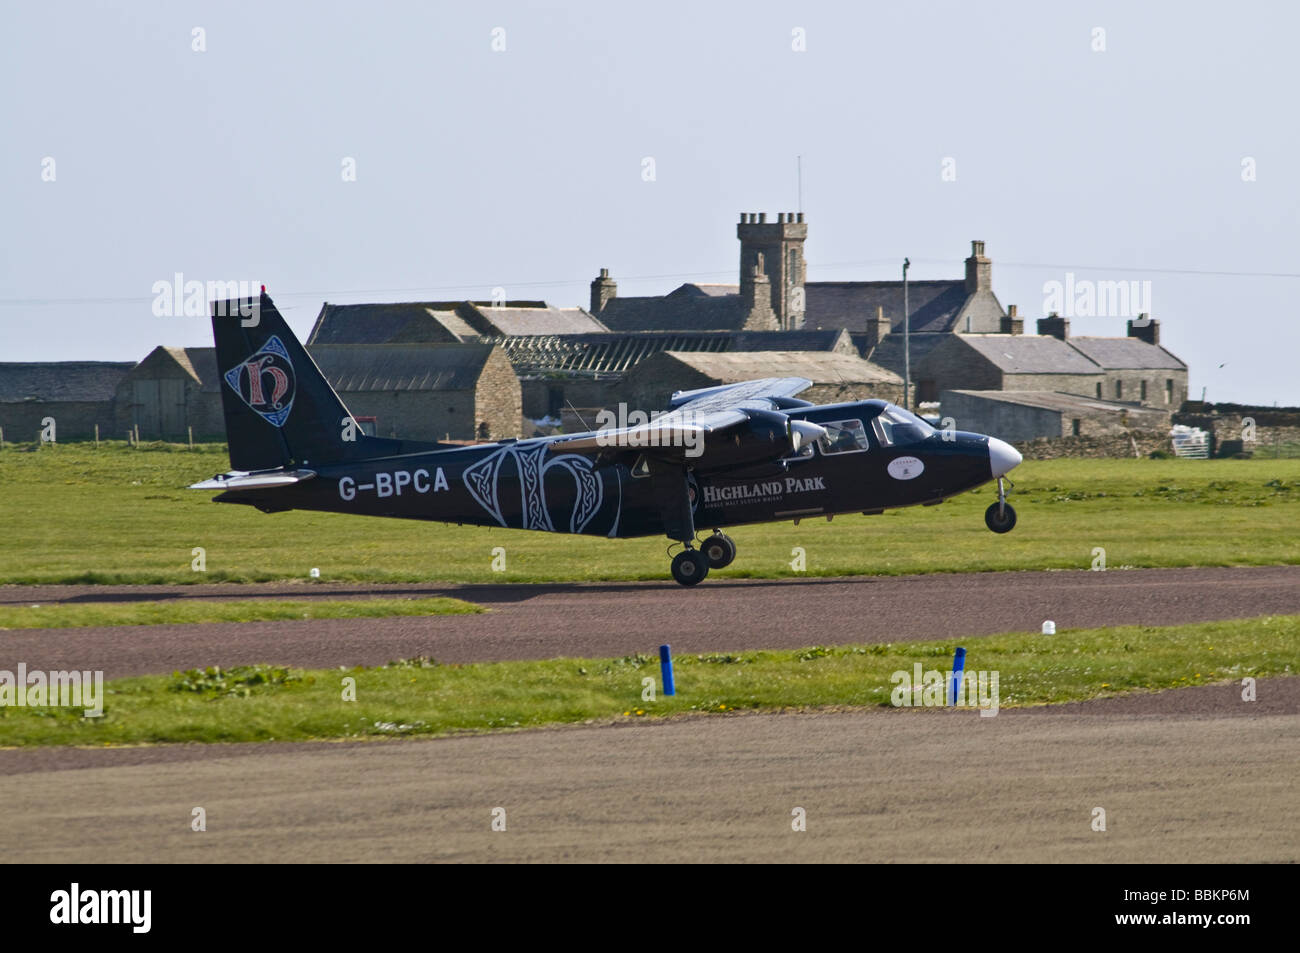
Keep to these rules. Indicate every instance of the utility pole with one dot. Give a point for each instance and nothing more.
(907, 344)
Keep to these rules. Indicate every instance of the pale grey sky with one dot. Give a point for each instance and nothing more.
(522, 168)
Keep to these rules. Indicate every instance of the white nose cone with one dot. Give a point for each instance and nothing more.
(1003, 458)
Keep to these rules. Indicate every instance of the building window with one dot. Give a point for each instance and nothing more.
(1144, 390)
(1074, 426)
(1169, 390)
(1099, 390)
(1119, 390)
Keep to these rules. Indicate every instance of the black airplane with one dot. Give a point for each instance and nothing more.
(718, 457)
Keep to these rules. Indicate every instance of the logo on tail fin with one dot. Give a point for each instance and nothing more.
(265, 382)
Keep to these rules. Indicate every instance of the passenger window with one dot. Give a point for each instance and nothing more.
(844, 436)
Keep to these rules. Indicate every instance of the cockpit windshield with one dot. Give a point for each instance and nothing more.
(896, 427)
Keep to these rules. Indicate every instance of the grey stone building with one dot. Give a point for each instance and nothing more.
(1005, 362)
(774, 293)
(170, 392)
(836, 377)
(415, 391)
(1019, 416)
(77, 394)
(1136, 367)
(428, 392)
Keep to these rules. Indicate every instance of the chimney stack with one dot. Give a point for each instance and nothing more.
(602, 290)
(877, 327)
(979, 270)
(1145, 328)
(1012, 322)
(1055, 325)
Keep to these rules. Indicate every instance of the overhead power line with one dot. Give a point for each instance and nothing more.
(480, 287)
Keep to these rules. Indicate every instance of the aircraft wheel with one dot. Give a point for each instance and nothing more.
(1002, 522)
(719, 549)
(690, 566)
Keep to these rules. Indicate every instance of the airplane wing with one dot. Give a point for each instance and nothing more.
(747, 412)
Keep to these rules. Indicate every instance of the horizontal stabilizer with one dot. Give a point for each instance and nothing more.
(243, 480)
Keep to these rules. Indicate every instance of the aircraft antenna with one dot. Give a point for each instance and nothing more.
(575, 412)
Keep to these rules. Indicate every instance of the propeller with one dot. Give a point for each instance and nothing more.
(804, 432)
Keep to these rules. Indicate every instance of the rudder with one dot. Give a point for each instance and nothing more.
(280, 410)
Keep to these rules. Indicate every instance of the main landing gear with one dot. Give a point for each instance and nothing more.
(719, 549)
(1000, 517)
(690, 566)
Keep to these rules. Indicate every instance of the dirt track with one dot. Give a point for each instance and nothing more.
(612, 619)
(880, 786)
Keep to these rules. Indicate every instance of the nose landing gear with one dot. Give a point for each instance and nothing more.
(1000, 517)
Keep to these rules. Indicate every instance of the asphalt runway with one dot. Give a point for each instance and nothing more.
(615, 619)
(1195, 775)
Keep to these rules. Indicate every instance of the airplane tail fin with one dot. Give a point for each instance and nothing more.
(280, 410)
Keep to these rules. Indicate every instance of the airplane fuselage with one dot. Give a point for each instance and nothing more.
(526, 484)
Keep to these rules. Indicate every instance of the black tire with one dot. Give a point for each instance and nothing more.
(719, 549)
(1003, 522)
(690, 566)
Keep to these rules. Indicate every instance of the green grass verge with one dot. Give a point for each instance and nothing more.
(172, 612)
(74, 514)
(420, 697)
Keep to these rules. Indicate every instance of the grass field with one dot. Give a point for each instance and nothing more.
(76, 514)
(419, 697)
(173, 612)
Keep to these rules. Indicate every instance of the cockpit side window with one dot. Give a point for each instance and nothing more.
(844, 436)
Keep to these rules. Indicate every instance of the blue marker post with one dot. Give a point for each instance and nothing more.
(666, 669)
(958, 666)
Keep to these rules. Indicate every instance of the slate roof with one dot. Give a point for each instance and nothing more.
(1029, 354)
(934, 305)
(380, 323)
(1119, 354)
(819, 367)
(889, 352)
(712, 290)
(509, 320)
(397, 367)
(681, 310)
(444, 321)
(615, 352)
(61, 380)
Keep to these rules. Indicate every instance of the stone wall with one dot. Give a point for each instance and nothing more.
(498, 404)
(73, 420)
(1272, 427)
(1112, 445)
(1156, 387)
(1084, 385)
